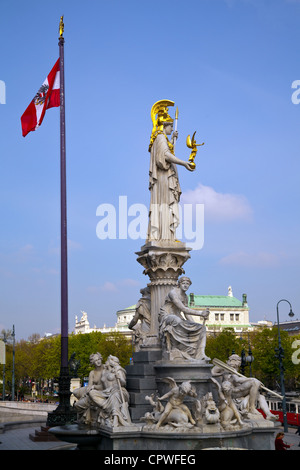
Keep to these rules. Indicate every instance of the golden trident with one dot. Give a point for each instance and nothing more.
(192, 145)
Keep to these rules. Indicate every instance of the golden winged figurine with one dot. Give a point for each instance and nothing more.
(191, 143)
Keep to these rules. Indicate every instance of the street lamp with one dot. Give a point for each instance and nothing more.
(280, 355)
(249, 359)
(245, 360)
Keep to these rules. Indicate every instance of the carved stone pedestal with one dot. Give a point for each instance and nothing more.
(145, 377)
(198, 374)
(163, 262)
(141, 381)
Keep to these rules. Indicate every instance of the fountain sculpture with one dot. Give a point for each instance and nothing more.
(173, 397)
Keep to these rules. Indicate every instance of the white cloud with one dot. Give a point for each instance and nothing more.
(117, 286)
(109, 287)
(219, 207)
(256, 260)
(130, 282)
(72, 245)
(54, 248)
(27, 249)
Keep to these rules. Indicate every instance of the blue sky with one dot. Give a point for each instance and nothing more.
(229, 66)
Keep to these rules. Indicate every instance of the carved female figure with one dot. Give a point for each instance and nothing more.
(112, 401)
(83, 403)
(163, 178)
(181, 336)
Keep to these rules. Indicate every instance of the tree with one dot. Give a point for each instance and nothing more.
(41, 359)
(223, 345)
(86, 344)
(264, 348)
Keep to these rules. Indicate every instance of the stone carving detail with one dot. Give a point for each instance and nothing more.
(175, 415)
(211, 414)
(86, 412)
(104, 401)
(164, 261)
(242, 393)
(182, 338)
(163, 176)
(140, 324)
(230, 415)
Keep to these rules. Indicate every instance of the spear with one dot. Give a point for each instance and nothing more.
(176, 121)
(124, 406)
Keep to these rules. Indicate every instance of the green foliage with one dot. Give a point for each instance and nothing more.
(86, 344)
(263, 344)
(223, 345)
(266, 365)
(41, 359)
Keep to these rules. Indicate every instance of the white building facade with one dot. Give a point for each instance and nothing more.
(226, 311)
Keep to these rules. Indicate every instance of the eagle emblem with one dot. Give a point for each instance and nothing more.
(40, 97)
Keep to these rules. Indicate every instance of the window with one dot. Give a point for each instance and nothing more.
(292, 407)
(222, 316)
(216, 316)
(231, 317)
(237, 317)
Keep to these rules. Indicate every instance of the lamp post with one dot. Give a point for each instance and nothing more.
(280, 355)
(245, 360)
(249, 358)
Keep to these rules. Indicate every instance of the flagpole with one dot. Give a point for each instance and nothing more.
(64, 412)
(63, 202)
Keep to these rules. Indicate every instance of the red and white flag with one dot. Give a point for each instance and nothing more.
(48, 96)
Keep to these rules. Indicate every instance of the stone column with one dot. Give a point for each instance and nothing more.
(163, 262)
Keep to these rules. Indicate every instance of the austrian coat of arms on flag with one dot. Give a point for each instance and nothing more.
(48, 96)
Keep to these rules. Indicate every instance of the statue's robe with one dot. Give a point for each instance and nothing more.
(165, 193)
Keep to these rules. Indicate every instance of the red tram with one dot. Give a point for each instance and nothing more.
(292, 410)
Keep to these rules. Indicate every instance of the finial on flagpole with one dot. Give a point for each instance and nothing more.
(61, 26)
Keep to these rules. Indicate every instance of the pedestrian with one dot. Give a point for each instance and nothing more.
(279, 444)
(298, 432)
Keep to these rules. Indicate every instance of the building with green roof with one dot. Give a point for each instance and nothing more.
(226, 311)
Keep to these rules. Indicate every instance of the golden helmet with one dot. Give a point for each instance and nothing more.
(159, 115)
